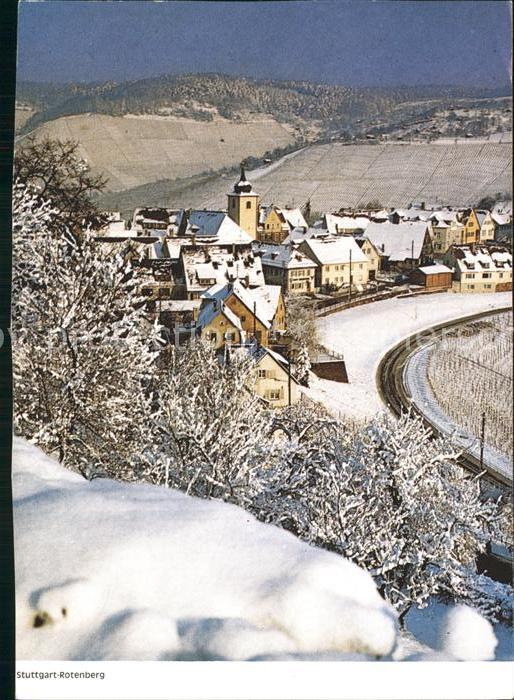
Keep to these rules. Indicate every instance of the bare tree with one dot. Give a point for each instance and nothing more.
(55, 170)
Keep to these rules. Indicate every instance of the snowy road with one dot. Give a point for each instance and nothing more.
(363, 334)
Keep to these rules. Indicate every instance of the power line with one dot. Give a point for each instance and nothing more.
(474, 362)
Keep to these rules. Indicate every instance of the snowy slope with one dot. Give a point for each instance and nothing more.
(364, 333)
(114, 571)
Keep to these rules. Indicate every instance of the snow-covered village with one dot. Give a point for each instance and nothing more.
(262, 382)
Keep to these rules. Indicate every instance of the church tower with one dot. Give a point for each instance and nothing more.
(243, 205)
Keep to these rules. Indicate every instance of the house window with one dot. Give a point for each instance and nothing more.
(213, 337)
(230, 336)
(261, 373)
(487, 286)
(486, 275)
(273, 394)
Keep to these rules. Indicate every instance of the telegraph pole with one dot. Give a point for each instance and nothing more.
(482, 441)
(255, 320)
(289, 378)
(350, 287)
(412, 253)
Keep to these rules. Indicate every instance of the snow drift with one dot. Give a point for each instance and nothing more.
(113, 571)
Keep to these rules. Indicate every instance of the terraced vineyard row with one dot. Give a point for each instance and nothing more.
(470, 373)
(336, 175)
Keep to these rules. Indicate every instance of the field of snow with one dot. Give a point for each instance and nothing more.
(110, 571)
(363, 335)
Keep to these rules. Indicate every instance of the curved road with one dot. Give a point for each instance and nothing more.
(392, 390)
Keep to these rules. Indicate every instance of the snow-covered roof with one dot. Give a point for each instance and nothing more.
(217, 225)
(269, 294)
(398, 241)
(336, 250)
(443, 216)
(258, 352)
(201, 266)
(211, 308)
(434, 269)
(504, 207)
(300, 234)
(482, 216)
(294, 218)
(254, 302)
(501, 219)
(283, 256)
(115, 228)
(179, 304)
(290, 218)
(336, 223)
(478, 258)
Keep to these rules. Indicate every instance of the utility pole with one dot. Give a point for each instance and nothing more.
(290, 356)
(255, 320)
(482, 441)
(412, 254)
(350, 287)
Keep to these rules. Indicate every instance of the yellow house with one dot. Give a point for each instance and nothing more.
(487, 226)
(217, 323)
(480, 268)
(276, 223)
(271, 380)
(243, 205)
(338, 260)
(260, 311)
(273, 227)
(471, 225)
(445, 233)
(372, 254)
(288, 267)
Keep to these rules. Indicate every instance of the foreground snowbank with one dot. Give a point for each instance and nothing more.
(114, 571)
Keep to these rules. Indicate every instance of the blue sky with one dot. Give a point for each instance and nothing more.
(353, 42)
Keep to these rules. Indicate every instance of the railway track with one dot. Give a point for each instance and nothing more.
(394, 394)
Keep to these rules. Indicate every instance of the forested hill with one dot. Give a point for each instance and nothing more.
(203, 96)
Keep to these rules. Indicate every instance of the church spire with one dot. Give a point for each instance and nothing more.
(243, 186)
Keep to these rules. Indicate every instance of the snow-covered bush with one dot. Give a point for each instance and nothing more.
(301, 326)
(302, 366)
(209, 429)
(82, 348)
(389, 498)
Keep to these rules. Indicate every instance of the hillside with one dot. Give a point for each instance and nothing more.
(335, 175)
(202, 96)
(138, 149)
